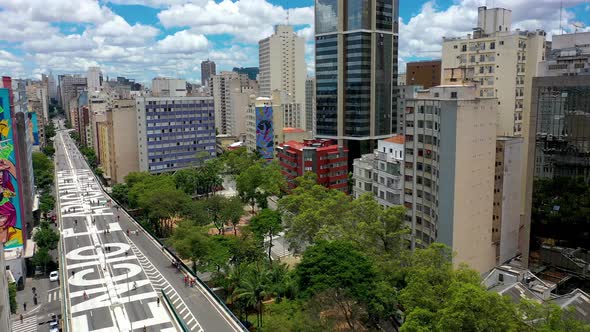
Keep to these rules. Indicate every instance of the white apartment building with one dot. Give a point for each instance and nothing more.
(282, 64)
(504, 62)
(449, 157)
(231, 94)
(284, 118)
(380, 172)
(168, 87)
(94, 79)
(403, 92)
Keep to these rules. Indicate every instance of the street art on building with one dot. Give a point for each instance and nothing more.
(33, 127)
(264, 132)
(10, 211)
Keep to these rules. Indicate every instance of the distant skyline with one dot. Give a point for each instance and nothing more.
(142, 39)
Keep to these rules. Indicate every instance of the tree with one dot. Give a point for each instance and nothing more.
(191, 242)
(12, 296)
(45, 237)
(550, 318)
(267, 223)
(340, 274)
(238, 160)
(163, 203)
(260, 181)
(309, 210)
(46, 203)
(233, 212)
(254, 286)
(49, 130)
(42, 171)
(120, 192)
(42, 258)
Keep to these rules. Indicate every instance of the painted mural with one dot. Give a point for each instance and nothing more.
(10, 211)
(264, 132)
(33, 130)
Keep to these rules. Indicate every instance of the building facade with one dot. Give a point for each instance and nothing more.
(94, 79)
(282, 64)
(325, 158)
(380, 173)
(168, 87)
(356, 71)
(69, 88)
(5, 321)
(207, 70)
(118, 145)
(403, 93)
(450, 143)
(174, 133)
(310, 106)
(231, 92)
(423, 73)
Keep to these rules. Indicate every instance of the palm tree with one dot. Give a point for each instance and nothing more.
(254, 286)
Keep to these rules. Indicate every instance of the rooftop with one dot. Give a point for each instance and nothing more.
(398, 139)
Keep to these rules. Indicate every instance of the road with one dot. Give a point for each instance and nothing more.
(114, 277)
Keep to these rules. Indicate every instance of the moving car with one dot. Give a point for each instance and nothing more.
(54, 276)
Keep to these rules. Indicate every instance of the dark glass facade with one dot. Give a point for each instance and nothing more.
(357, 84)
(369, 61)
(563, 130)
(326, 16)
(358, 15)
(327, 85)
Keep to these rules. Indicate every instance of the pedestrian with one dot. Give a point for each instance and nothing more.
(25, 306)
(85, 295)
(21, 315)
(158, 306)
(73, 273)
(118, 218)
(75, 222)
(185, 281)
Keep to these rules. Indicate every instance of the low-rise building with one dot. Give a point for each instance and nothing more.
(379, 173)
(325, 158)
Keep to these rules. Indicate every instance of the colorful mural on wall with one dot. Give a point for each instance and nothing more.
(264, 132)
(33, 130)
(10, 211)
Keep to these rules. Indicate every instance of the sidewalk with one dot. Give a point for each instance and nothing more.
(42, 285)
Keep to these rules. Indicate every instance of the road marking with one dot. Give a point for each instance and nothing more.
(29, 324)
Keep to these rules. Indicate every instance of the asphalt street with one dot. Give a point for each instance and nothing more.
(107, 288)
(115, 277)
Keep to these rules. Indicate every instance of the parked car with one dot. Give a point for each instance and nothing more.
(54, 276)
(53, 326)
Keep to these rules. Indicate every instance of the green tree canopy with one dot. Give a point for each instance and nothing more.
(191, 242)
(267, 223)
(260, 181)
(45, 237)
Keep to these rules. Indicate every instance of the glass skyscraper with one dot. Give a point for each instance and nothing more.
(356, 71)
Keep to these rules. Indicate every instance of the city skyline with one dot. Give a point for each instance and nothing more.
(143, 39)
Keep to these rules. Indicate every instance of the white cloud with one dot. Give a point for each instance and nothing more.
(60, 43)
(246, 20)
(118, 32)
(182, 42)
(58, 10)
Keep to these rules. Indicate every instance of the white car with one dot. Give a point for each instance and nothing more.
(54, 276)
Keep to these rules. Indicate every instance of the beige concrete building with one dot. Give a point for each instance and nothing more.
(98, 104)
(168, 87)
(449, 171)
(507, 199)
(285, 121)
(231, 94)
(282, 64)
(37, 103)
(118, 141)
(504, 63)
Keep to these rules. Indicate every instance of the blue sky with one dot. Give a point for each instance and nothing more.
(146, 38)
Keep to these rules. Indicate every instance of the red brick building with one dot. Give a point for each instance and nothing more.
(325, 158)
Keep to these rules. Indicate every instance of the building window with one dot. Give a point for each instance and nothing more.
(454, 94)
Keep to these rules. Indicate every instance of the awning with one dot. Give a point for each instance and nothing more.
(36, 203)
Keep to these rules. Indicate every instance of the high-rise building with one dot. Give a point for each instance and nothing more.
(504, 62)
(231, 92)
(174, 132)
(403, 93)
(310, 104)
(168, 87)
(69, 88)
(380, 172)
(252, 72)
(449, 171)
(36, 96)
(356, 71)
(118, 144)
(282, 64)
(560, 116)
(272, 121)
(52, 88)
(325, 158)
(207, 70)
(94, 79)
(424, 73)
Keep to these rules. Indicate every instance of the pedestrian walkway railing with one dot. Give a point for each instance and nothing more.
(171, 254)
(177, 317)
